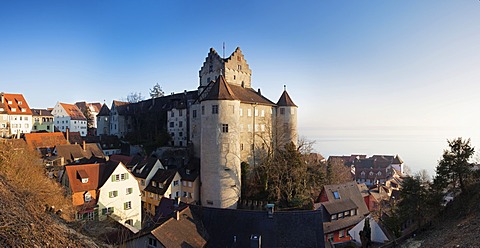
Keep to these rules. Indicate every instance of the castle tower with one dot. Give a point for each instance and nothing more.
(220, 147)
(286, 120)
(234, 68)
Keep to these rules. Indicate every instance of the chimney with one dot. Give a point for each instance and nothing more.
(3, 99)
(177, 214)
(259, 91)
(84, 145)
(68, 135)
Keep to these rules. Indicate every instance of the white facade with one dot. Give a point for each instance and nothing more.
(220, 162)
(20, 124)
(177, 126)
(378, 235)
(121, 193)
(63, 119)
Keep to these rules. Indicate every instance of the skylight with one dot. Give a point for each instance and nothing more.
(336, 195)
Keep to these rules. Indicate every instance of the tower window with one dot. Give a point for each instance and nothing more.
(214, 109)
(239, 67)
(203, 110)
(224, 128)
(282, 111)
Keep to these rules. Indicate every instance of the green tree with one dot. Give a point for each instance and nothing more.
(156, 91)
(454, 168)
(366, 234)
(411, 205)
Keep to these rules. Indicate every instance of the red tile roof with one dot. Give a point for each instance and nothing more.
(15, 104)
(76, 172)
(44, 140)
(73, 111)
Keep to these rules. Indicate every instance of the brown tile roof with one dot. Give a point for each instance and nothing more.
(75, 152)
(180, 233)
(121, 158)
(73, 111)
(222, 90)
(285, 100)
(329, 227)
(104, 111)
(76, 172)
(15, 104)
(96, 106)
(339, 206)
(347, 191)
(161, 177)
(41, 112)
(83, 105)
(45, 140)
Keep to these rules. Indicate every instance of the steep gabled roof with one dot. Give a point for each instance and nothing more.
(221, 91)
(75, 172)
(285, 100)
(73, 111)
(15, 104)
(163, 178)
(345, 191)
(104, 111)
(143, 168)
(180, 233)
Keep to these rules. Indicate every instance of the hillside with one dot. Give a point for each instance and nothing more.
(23, 223)
(457, 226)
(25, 190)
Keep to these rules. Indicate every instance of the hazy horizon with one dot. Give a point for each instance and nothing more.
(409, 68)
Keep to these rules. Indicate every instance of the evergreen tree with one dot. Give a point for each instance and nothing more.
(366, 234)
(156, 91)
(454, 167)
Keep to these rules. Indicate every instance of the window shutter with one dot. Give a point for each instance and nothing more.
(113, 178)
(126, 175)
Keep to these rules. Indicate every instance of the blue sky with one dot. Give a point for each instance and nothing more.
(347, 64)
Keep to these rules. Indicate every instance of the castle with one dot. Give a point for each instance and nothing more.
(226, 122)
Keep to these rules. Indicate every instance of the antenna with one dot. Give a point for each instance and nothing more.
(224, 49)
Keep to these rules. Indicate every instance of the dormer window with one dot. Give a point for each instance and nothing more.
(9, 102)
(14, 109)
(83, 176)
(154, 184)
(187, 171)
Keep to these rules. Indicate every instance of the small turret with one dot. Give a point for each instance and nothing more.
(286, 120)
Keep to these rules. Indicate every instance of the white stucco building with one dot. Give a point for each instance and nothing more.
(16, 115)
(68, 116)
(119, 197)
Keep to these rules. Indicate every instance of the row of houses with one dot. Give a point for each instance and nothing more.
(17, 118)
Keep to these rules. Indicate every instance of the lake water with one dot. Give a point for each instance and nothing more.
(420, 148)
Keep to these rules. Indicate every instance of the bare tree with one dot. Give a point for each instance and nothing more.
(134, 97)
